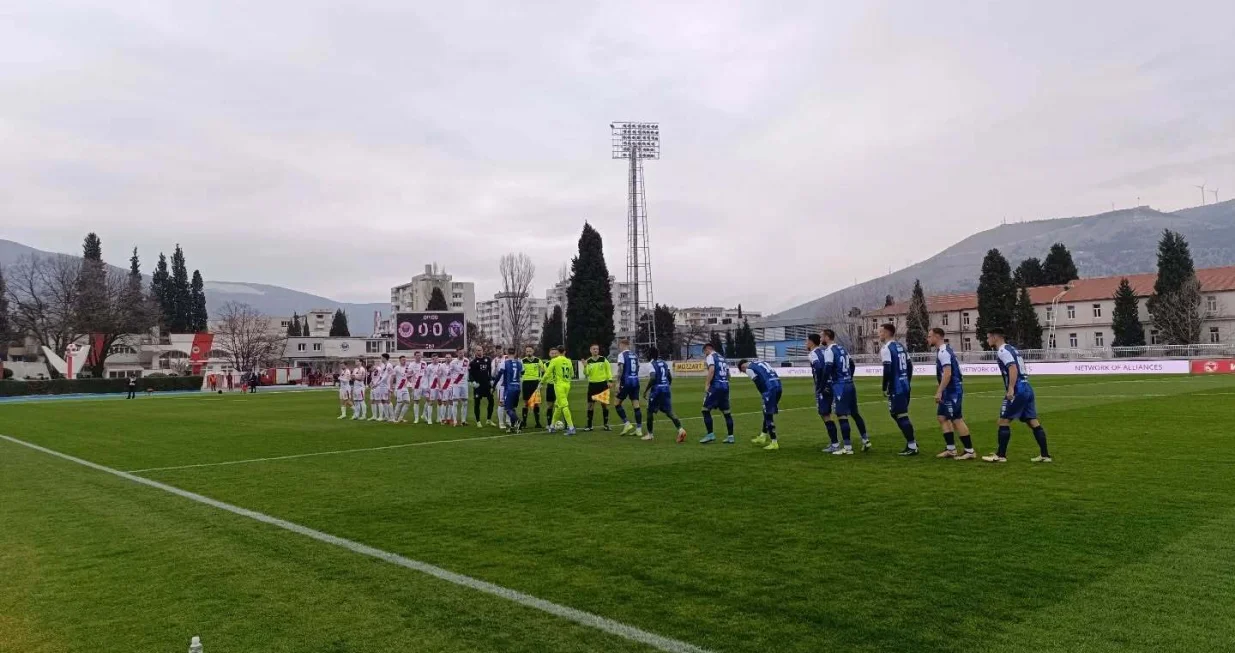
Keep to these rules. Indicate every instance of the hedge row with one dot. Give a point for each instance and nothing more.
(97, 386)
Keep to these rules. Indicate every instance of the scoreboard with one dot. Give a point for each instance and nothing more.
(430, 331)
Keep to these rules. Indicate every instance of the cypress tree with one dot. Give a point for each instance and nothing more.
(1176, 302)
(996, 295)
(666, 332)
(918, 320)
(160, 284)
(1029, 273)
(197, 302)
(137, 309)
(717, 344)
(1026, 330)
(338, 325)
(437, 301)
(744, 342)
(589, 298)
(1058, 267)
(731, 347)
(180, 294)
(551, 332)
(1125, 319)
(304, 327)
(293, 327)
(888, 300)
(92, 309)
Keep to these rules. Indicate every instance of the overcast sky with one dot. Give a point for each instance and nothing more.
(336, 148)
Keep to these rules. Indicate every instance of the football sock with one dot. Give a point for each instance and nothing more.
(967, 442)
(707, 420)
(906, 429)
(591, 412)
(729, 423)
(1005, 435)
(651, 417)
(1039, 434)
(638, 415)
(846, 433)
(343, 411)
(861, 424)
(949, 439)
(604, 412)
(677, 423)
(831, 426)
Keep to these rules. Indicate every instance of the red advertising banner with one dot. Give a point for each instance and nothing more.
(1212, 366)
(200, 351)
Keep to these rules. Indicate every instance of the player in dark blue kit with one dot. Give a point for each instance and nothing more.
(767, 382)
(897, 372)
(716, 393)
(839, 368)
(660, 394)
(627, 381)
(510, 377)
(950, 398)
(1018, 401)
(820, 360)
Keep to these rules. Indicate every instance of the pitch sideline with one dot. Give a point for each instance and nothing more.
(581, 617)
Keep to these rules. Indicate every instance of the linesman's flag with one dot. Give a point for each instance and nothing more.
(534, 400)
(602, 397)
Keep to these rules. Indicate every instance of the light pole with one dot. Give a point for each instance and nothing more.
(1055, 316)
(636, 141)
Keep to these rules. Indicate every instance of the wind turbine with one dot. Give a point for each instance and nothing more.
(1215, 192)
(1202, 187)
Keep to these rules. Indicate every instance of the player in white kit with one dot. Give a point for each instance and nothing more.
(499, 361)
(345, 391)
(420, 386)
(375, 390)
(386, 389)
(444, 391)
(359, 374)
(458, 384)
(402, 390)
(434, 383)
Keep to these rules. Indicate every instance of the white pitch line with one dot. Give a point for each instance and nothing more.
(508, 435)
(598, 622)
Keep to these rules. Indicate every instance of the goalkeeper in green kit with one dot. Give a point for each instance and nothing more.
(558, 374)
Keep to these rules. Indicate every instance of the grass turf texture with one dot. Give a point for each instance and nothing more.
(1122, 544)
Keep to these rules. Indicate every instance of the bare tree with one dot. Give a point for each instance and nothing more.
(694, 334)
(1177, 315)
(517, 272)
(42, 293)
(246, 336)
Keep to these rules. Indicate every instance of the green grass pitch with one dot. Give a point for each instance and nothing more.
(1125, 543)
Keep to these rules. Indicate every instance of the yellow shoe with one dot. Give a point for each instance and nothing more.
(762, 439)
(775, 446)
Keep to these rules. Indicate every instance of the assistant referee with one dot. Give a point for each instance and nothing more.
(533, 369)
(599, 375)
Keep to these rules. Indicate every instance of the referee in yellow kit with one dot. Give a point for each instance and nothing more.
(599, 375)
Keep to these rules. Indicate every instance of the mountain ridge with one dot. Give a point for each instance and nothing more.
(267, 298)
(1124, 241)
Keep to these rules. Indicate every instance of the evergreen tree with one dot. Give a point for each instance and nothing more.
(888, 301)
(139, 309)
(1176, 302)
(304, 327)
(180, 295)
(551, 333)
(1029, 273)
(731, 347)
(745, 345)
(666, 332)
(589, 298)
(918, 321)
(996, 295)
(717, 343)
(1026, 330)
(437, 301)
(92, 308)
(1058, 267)
(293, 327)
(5, 326)
(1125, 319)
(338, 325)
(197, 304)
(160, 284)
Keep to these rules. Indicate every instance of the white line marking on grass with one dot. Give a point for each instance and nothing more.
(571, 614)
(320, 453)
(530, 433)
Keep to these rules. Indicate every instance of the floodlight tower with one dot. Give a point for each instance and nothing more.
(635, 142)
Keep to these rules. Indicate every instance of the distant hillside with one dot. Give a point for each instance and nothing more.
(1118, 242)
(271, 300)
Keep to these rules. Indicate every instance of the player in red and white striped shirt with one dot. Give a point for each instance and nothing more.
(402, 391)
(458, 387)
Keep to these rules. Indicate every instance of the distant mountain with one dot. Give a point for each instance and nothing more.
(270, 300)
(1118, 242)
